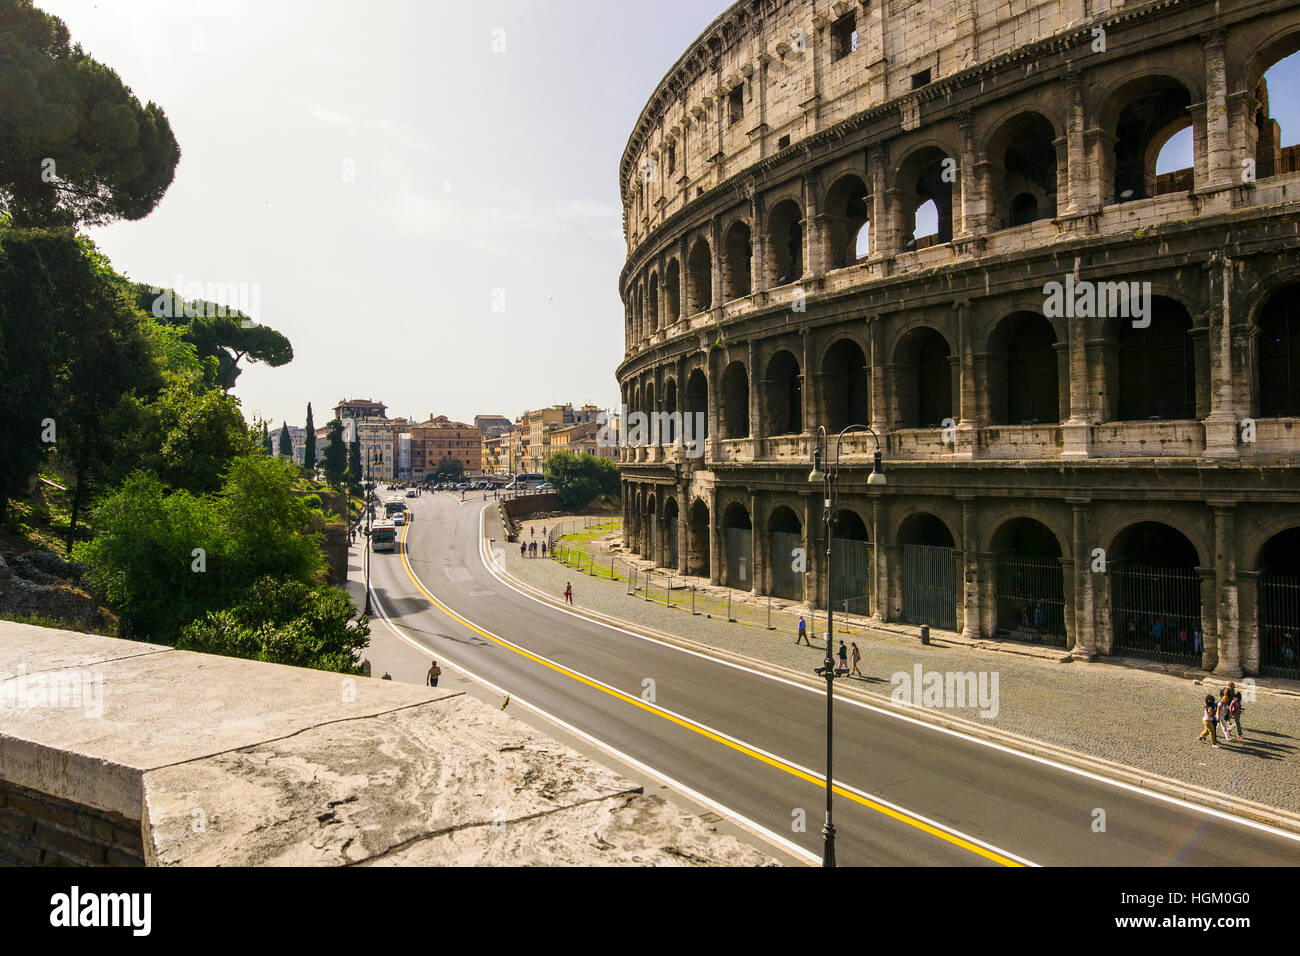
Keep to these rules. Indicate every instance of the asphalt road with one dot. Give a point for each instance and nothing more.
(754, 746)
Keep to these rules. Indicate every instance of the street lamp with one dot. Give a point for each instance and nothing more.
(372, 457)
(830, 482)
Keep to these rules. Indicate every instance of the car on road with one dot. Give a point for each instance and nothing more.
(399, 518)
(546, 486)
(410, 493)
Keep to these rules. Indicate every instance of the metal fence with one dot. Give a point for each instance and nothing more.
(1030, 599)
(740, 553)
(1156, 612)
(788, 562)
(1279, 626)
(929, 586)
(851, 574)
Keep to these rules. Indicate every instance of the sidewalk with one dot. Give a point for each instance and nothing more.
(1144, 719)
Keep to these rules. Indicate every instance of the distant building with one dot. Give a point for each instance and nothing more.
(492, 426)
(360, 408)
(440, 440)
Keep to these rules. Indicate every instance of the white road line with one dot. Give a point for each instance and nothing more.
(1045, 761)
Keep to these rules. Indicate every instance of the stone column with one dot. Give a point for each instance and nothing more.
(1221, 427)
(755, 401)
(893, 580)
(880, 565)
(683, 277)
(883, 242)
(814, 237)
(811, 524)
(1248, 629)
(1219, 173)
(969, 422)
(973, 212)
(1076, 430)
(715, 403)
(1225, 572)
(879, 395)
(758, 550)
(1085, 643)
(1077, 198)
(715, 539)
(1209, 618)
(683, 527)
(758, 245)
(715, 262)
(972, 618)
(807, 400)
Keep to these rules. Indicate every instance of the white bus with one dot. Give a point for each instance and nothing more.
(394, 504)
(383, 536)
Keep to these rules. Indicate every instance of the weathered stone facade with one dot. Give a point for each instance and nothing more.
(1112, 481)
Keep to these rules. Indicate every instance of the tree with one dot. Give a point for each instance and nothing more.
(336, 456)
(165, 557)
(111, 157)
(579, 479)
(309, 444)
(268, 448)
(285, 622)
(286, 441)
(449, 470)
(355, 474)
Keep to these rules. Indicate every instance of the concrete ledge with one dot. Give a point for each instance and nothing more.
(222, 761)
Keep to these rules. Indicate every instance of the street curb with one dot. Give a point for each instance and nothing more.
(1166, 786)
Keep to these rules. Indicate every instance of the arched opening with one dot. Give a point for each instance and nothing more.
(789, 554)
(668, 431)
(929, 580)
(863, 242)
(672, 293)
(783, 392)
(851, 564)
(1276, 121)
(1157, 366)
(738, 541)
(846, 388)
(1023, 378)
(1024, 170)
(785, 227)
(695, 429)
(699, 279)
(1278, 355)
(923, 379)
(1155, 594)
(1279, 605)
(653, 422)
(1029, 583)
(1149, 112)
(847, 214)
(738, 253)
(671, 551)
(697, 551)
(735, 401)
(656, 320)
(927, 176)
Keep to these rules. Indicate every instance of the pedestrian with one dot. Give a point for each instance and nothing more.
(543, 549)
(1235, 708)
(434, 673)
(1222, 715)
(803, 632)
(523, 549)
(568, 593)
(532, 532)
(387, 676)
(1207, 720)
(854, 656)
(843, 666)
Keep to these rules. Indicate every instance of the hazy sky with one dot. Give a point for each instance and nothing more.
(376, 178)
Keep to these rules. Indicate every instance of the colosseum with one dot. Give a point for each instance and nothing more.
(941, 221)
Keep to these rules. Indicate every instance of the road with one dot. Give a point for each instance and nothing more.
(750, 745)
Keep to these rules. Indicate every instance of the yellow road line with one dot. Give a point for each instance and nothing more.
(703, 731)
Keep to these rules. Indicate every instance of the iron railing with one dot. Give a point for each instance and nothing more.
(1156, 612)
(929, 586)
(1030, 596)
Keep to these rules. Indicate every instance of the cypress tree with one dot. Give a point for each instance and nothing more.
(309, 447)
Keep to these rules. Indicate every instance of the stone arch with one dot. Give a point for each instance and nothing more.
(1266, 138)
(1023, 174)
(926, 174)
(672, 292)
(699, 278)
(1154, 368)
(1029, 581)
(1023, 380)
(1143, 114)
(924, 527)
(1276, 377)
(1277, 632)
(1155, 593)
(783, 394)
(697, 404)
(697, 551)
(737, 546)
(922, 379)
(845, 393)
(737, 261)
(735, 401)
(785, 243)
(845, 207)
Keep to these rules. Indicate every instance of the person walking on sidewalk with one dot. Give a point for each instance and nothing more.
(842, 668)
(1235, 708)
(1221, 712)
(854, 656)
(803, 632)
(523, 549)
(434, 673)
(568, 593)
(1207, 719)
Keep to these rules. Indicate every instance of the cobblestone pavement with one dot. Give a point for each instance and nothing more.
(1125, 714)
